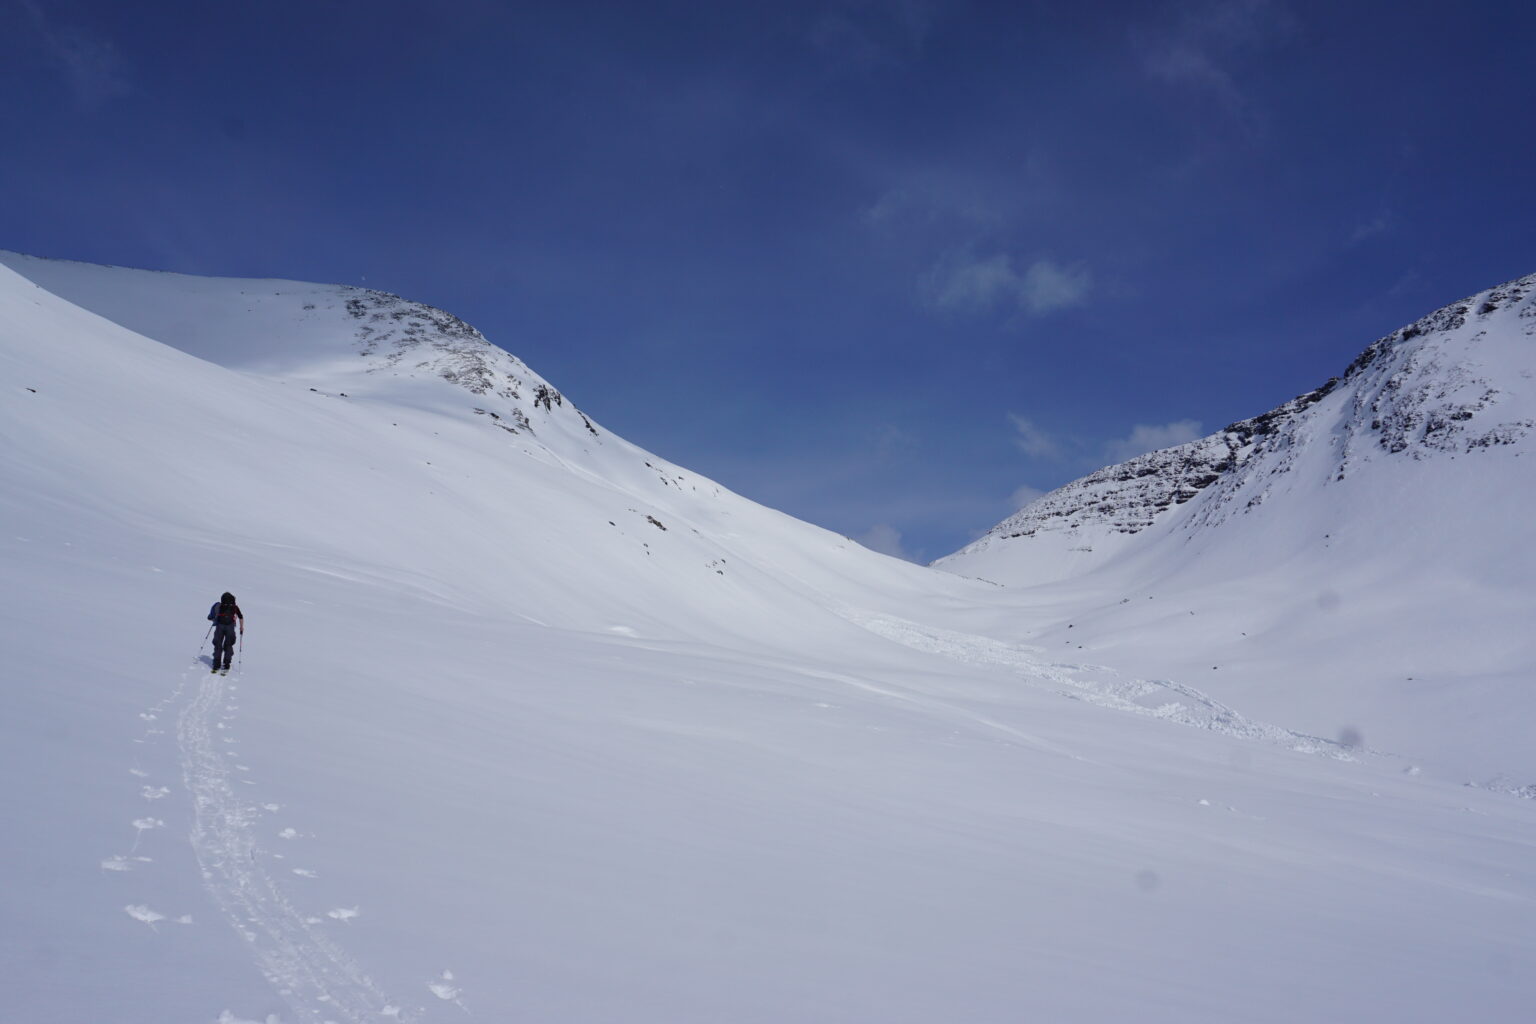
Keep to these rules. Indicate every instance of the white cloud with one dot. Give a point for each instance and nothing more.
(1145, 438)
(966, 284)
(1023, 496)
(1047, 286)
(885, 539)
(1033, 441)
(973, 286)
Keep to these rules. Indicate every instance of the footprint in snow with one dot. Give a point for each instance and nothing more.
(155, 792)
(288, 833)
(139, 912)
(138, 772)
(445, 989)
(229, 1018)
(342, 913)
(144, 825)
(305, 873)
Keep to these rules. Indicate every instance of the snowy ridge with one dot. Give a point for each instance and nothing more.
(1352, 562)
(1424, 390)
(348, 341)
(395, 334)
(1439, 395)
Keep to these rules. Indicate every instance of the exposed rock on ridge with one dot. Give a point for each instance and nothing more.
(1420, 392)
(399, 335)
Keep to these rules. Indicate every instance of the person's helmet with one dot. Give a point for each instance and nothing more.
(228, 598)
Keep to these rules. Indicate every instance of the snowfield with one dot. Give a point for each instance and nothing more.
(1359, 559)
(532, 725)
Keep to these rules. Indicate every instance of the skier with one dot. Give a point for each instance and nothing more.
(223, 615)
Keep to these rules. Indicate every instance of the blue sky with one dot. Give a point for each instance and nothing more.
(892, 266)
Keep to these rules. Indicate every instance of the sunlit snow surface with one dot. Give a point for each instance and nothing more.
(532, 725)
(1360, 561)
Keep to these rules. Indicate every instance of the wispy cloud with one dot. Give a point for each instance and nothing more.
(1023, 496)
(1038, 443)
(928, 203)
(1185, 61)
(1377, 225)
(88, 62)
(964, 283)
(862, 35)
(1033, 441)
(964, 203)
(1147, 438)
(886, 539)
(1205, 40)
(972, 285)
(1047, 286)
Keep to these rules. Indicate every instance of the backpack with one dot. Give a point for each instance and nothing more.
(223, 613)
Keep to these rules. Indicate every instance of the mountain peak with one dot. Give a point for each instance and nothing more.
(1445, 385)
(337, 339)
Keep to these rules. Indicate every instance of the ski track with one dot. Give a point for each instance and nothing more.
(319, 980)
(1153, 698)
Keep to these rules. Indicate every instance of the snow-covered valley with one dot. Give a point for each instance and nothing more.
(532, 725)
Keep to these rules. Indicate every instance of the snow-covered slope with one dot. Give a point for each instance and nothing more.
(1358, 559)
(472, 460)
(1453, 384)
(530, 724)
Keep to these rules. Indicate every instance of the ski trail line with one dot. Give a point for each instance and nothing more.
(1094, 684)
(319, 980)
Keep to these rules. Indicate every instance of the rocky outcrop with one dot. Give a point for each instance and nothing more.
(1419, 392)
(397, 335)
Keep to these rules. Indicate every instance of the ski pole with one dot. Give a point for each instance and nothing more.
(205, 641)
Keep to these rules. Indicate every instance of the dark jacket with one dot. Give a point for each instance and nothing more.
(213, 614)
